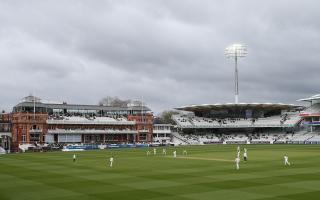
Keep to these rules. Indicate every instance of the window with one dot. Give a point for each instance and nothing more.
(23, 138)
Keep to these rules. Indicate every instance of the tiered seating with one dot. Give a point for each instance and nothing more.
(268, 121)
(235, 139)
(192, 139)
(209, 138)
(263, 139)
(177, 139)
(283, 138)
(202, 122)
(182, 121)
(315, 139)
(301, 137)
(291, 119)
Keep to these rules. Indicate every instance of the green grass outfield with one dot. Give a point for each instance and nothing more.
(208, 172)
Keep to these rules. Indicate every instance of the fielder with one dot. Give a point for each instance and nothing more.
(237, 161)
(286, 160)
(184, 152)
(111, 161)
(245, 155)
(164, 151)
(148, 153)
(174, 154)
(74, 157)
(154, 151)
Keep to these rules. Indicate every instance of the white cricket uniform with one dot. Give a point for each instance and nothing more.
(174, 154)
(238, 154)
(74, 157)
(286, 161)
(164, 152)
(154, 151)
(111, 161)
(237, 161)
(238, 149)
(245, 156)
(184, 152)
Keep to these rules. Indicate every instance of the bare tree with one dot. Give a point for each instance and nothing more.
(113, 101)
(165, 117)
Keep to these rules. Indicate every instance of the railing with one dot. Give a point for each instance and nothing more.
(144, 131)
(52, 121)
(235, 126)
(161, 131)
(6, 133)
(35, 131)
(89, 131)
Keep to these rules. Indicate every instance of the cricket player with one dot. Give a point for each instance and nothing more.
(286, 160)
(237, 161)
(164, 151)
(74, 157)
(148, 153)
(245, 156)
(154, 151)
(111, 161)
(174, 154)
(184, 152)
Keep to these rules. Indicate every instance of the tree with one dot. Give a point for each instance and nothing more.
(113, 101)
(165, 117)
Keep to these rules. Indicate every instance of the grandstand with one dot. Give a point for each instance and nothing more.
(254, 123)
(242, 123)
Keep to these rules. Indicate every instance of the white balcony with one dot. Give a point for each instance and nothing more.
(85, 121)
(91, 131)
(35, 131)
(161, 131)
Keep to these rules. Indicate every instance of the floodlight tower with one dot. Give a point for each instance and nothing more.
(236, 51)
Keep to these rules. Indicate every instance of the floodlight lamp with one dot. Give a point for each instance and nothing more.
(236, 50)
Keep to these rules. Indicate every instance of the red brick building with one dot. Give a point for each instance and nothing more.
(33, 121)
(5, 131)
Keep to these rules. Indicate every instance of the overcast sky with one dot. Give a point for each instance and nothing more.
(170, 52)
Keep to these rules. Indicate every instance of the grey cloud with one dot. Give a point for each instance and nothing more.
(171, 53)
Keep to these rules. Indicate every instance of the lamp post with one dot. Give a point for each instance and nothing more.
(236, 51)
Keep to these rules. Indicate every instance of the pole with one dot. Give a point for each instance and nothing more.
(236, 78)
